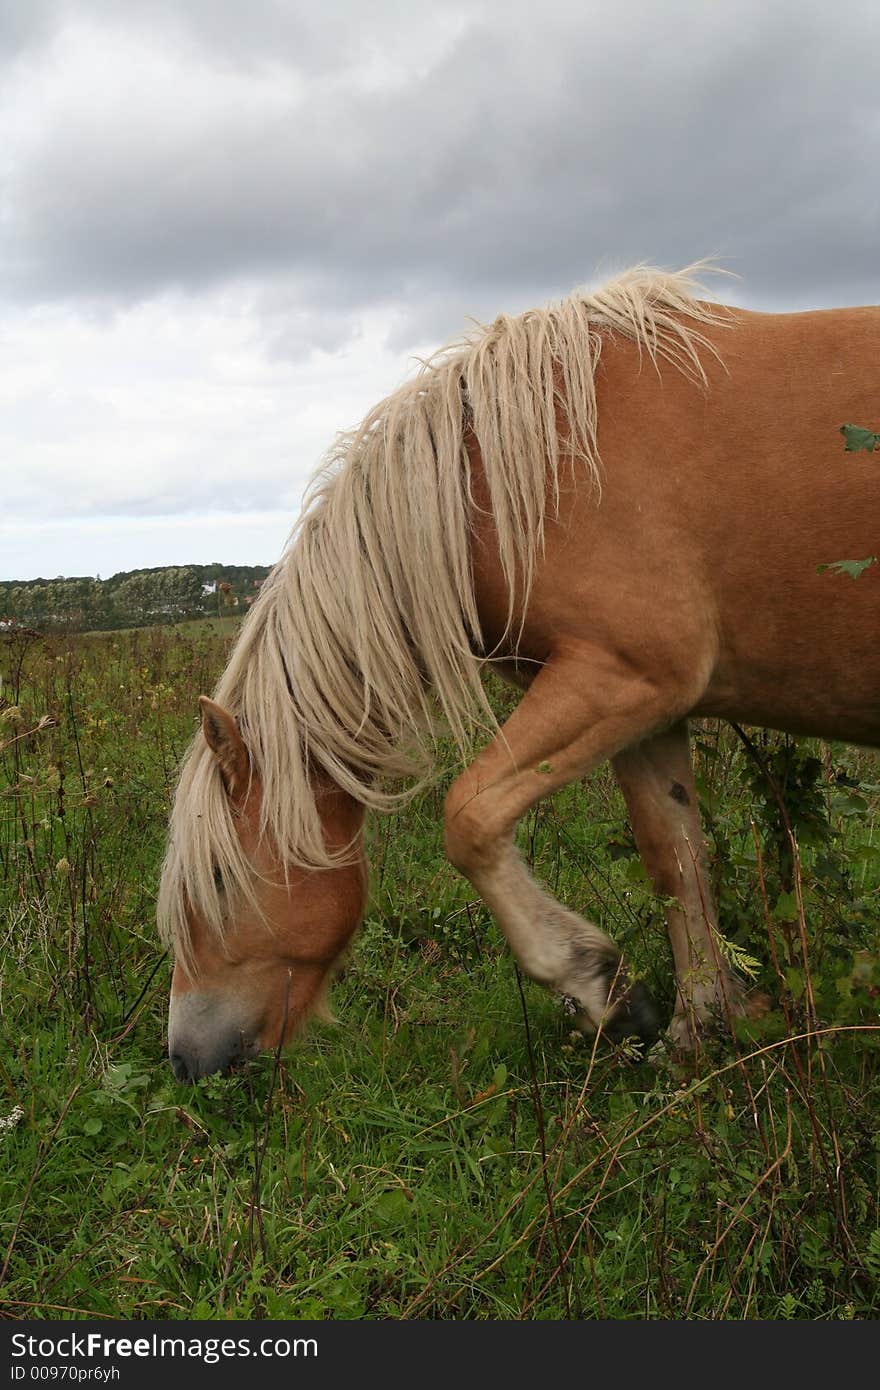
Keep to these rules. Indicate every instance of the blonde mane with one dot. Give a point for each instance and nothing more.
(365, 638)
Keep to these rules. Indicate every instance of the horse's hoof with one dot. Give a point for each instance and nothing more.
(716, 1016)
(632, 1015)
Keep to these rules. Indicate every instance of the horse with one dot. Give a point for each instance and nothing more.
(620, 502)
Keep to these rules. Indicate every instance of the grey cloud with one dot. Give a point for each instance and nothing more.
(522, 157)
(316, 37)
(25, 26)
(288, 330)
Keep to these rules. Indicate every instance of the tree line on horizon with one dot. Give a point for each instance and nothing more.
(131, 598)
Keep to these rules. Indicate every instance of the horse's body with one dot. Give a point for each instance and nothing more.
(689, 586)
(717, 506)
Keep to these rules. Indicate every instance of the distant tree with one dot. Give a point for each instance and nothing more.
(166, 593)
(133, 597)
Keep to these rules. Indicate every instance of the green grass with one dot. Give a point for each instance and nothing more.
(449, 1149)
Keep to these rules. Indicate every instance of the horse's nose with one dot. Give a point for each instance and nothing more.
(189, 1062)
(180, 1066)
(203, 1039)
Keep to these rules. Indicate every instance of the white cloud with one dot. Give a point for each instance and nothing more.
(107, 545)
(170, 407)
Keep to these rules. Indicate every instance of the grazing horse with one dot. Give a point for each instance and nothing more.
(620, 502)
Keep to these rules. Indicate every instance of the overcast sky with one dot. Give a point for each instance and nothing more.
(227, 227)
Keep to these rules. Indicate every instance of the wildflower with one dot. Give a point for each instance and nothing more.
(12, 715)
(11, 1120)
(63, 867)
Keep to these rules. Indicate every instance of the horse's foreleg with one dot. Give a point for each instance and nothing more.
(579, 711)
(657, 780)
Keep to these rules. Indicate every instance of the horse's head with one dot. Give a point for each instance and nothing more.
(246, 988)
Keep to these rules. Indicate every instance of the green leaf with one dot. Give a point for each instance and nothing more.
(849, 804)
(496, 1148)
(786, 909)
(858, 438)
(788, 1306)
(865, 854)
(391, 1208)
(851, 567)
(737, 955)
(872, 1254)
(636, 872)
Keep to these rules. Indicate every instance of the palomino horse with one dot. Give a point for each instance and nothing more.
(621, 501)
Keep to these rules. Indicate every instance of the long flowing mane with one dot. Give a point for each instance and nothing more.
(365, 637)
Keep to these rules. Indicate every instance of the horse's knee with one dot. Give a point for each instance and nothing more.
(470, 836)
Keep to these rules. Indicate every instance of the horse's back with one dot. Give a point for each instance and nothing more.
(718, 505)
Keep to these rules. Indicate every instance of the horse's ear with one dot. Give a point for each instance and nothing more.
(226, 743)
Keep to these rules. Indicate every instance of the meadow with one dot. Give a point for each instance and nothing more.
(449, 1148)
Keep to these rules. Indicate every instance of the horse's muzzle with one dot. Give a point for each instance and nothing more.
(205, 1037)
